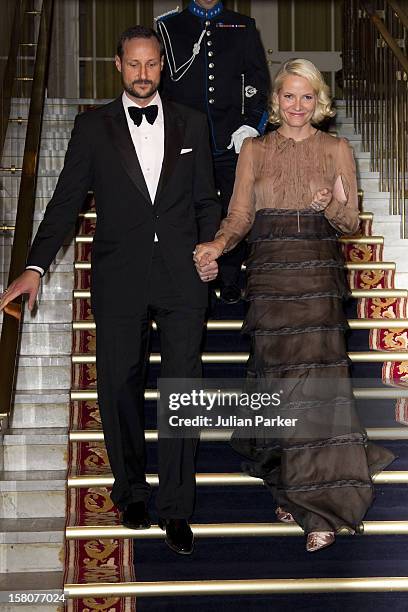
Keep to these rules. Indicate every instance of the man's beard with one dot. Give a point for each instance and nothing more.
(130, 89)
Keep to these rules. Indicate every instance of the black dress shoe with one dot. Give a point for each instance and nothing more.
(135, 516)
(230, 294)
(179, 536)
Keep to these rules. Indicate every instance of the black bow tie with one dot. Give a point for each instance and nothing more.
(150, 112)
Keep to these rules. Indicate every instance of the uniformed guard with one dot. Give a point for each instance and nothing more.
(216, 64)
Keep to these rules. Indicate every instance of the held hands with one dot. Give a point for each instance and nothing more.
(27, 282)
(205, 256)
(321, 199)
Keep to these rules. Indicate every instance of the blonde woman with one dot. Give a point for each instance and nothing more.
(295, 192)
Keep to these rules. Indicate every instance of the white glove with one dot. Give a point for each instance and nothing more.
(238, 137)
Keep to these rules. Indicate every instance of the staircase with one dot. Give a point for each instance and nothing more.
(243, 558)
(33, 480)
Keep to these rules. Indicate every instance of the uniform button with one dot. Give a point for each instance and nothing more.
(211, 77)
(157, 216)
(211, 89)
(211, 101)
(209, 43)
(207, 23)
(211, 65)
(208, 33)
(210, 54)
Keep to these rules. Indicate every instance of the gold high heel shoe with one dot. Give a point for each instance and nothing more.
(283, 516)
(316, 540)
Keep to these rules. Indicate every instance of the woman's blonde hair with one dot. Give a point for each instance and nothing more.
(302, 68)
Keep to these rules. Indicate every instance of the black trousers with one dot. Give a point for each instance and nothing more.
(121, 359)
(230, 263)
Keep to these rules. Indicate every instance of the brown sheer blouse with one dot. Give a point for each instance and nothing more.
(278, 172)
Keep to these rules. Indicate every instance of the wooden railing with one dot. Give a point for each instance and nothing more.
(10, 336)
(375, 68)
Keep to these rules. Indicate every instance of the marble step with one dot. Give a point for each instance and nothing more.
(62, 265)
(46, 339)
(9, 208)
(35, 449)
(369, 181)
(44, 373)
(363, 163)
(34, 494)
(355, 139)
(55, 268)
(40, 409)
(388, 226)
(398, 252)
(401, 280)
(67, 102)
(57, 284)
(52, 115)
(345, 126)
(376, 202)
(48, 164)
(14, 147)
(49, 312)
(65, 255)
(9, 185)
(49, 584)
(62, 130)
(342, 118)
(56, 309)
(31, 545)
(52, 108)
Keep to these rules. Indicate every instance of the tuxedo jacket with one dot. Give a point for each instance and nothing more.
(101, 157)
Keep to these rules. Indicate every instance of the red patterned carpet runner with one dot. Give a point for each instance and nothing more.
(394, 373)
(91, 560)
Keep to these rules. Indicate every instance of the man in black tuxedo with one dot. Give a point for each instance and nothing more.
(149, 165)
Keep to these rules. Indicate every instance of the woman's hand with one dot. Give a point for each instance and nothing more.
(207, 252)
(321, 199)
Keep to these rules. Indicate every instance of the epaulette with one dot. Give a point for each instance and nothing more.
(168, 14)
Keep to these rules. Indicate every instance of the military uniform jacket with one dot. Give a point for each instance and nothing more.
(228, 79)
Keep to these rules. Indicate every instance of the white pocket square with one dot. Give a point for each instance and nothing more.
(185, 151)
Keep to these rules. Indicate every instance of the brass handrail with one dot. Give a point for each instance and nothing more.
(376, 90)
(9, 342)
(391, 42)
(399, 11)
(10, 70)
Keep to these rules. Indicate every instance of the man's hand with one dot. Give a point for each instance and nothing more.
(207, 273)
(321, 199)
(27, 282)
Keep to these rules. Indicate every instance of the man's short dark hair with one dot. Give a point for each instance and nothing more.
(138, 31)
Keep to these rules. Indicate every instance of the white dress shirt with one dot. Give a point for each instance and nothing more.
(148, 141)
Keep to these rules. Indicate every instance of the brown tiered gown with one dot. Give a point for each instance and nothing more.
(296, 286)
